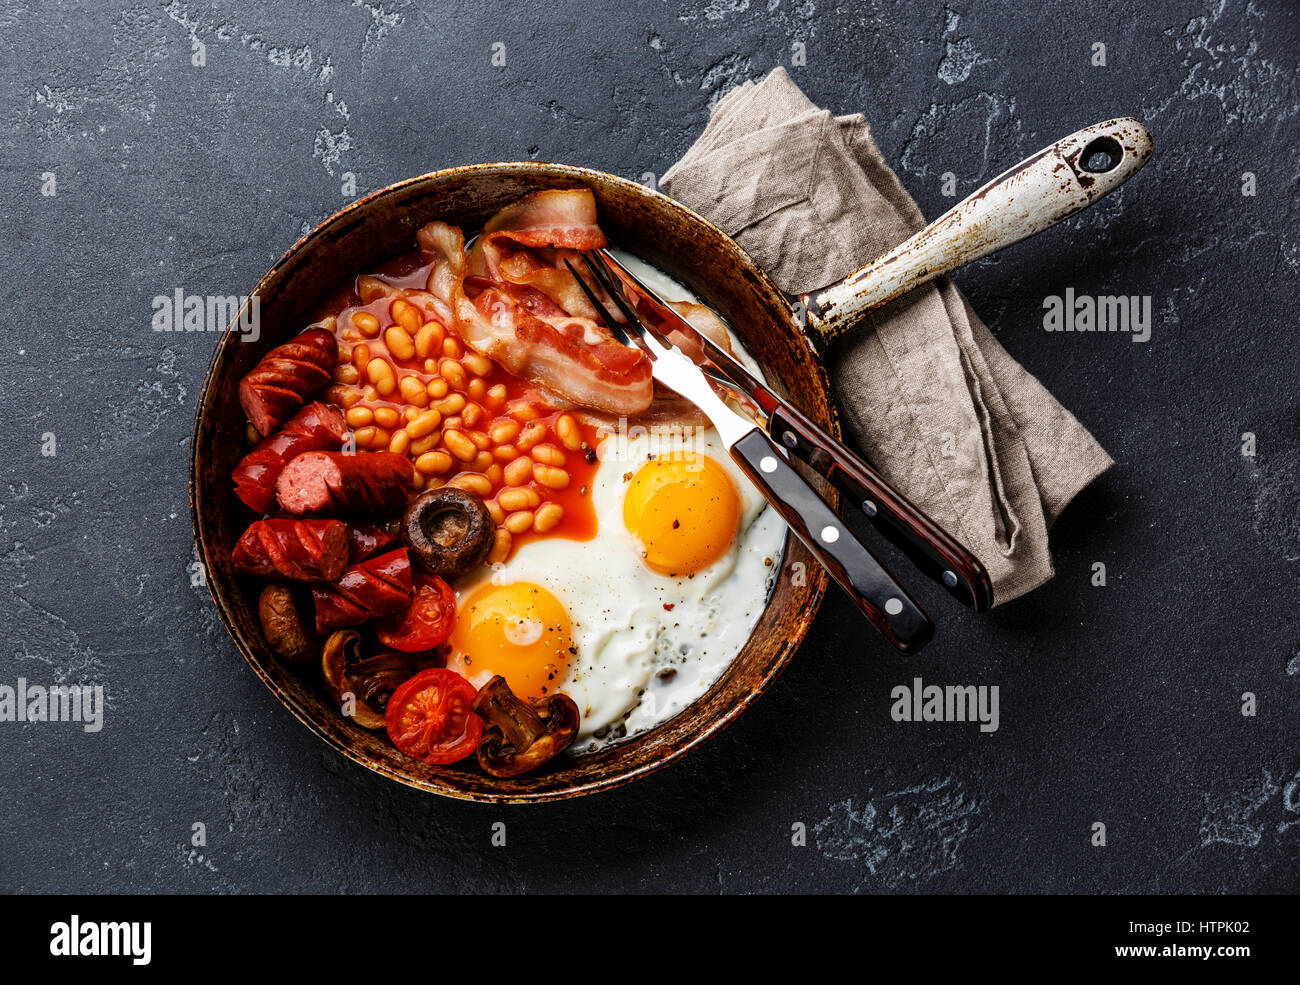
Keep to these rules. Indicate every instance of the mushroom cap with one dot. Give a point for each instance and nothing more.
(448, 530)
(347, 672)
(522, 737)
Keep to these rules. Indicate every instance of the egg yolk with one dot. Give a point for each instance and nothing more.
(520, 631)
(685, 510)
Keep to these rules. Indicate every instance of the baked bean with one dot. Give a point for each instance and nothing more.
(522, 410)
(476, 389)
(380, 373)
(453, 372)
(474, 482)
(476, 364)
(518, 523)
(398, 443)
(496, 396)
(531, 435)
(344, 396)
(518, 472)
(369, 393)
(427, 443)
(359, 417)
(410, 414)
(434, 462)
(364, 436)
(371, 288)
(387, 417)
(399, 342)
(548, 518)
(424, 424)
(500, 547)
(548, 475)
(453, 422)
(548, 454)
(380, 439)
(428, 340)
(360, 356)
(437, 389)
(566, 429)
(366, 322)
(413, 391)
(346, 373)
(473, 413)
(459, 445)
(495, 511)
(405, 314)
(452, 348)
(494, 474)
(505, 432)
(431, 365)
(453, 404)
(417, 481)
(482, 462)
(251, 434)
(481, 441)
(505, 453)
(519, 498)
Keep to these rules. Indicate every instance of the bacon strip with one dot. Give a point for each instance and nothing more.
(524, 329)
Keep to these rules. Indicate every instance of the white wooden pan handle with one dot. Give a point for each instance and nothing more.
(1040, 191)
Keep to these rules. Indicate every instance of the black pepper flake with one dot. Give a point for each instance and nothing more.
(589, 456)
(676, 524)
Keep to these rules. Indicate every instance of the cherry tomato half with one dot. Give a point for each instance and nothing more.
(429, 717)
(428, 621)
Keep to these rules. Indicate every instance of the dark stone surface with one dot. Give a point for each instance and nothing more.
(1118, 704)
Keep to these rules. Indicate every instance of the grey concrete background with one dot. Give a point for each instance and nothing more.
(1119, 704)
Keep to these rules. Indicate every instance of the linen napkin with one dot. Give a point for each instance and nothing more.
(930, 397)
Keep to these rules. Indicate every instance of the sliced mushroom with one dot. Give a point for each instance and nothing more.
(448, 530)
(370, 681)
(520, 737)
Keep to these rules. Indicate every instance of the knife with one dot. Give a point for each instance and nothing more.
(934, 551)
(848, 561)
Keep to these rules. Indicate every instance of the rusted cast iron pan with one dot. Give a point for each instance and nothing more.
(354, 241)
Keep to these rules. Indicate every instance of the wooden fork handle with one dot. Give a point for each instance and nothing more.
(848, 561)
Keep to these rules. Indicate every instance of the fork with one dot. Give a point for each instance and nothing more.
(845, 557)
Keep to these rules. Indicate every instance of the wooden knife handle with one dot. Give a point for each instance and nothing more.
(848, 561)
(934, 551)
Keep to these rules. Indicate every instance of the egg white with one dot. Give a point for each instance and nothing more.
(647, 644)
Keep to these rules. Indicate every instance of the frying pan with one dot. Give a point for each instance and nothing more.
(1044, 189)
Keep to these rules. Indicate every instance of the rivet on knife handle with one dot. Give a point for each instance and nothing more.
(932, 549)
(845, 557)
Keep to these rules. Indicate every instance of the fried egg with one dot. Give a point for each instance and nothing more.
(639, 621)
